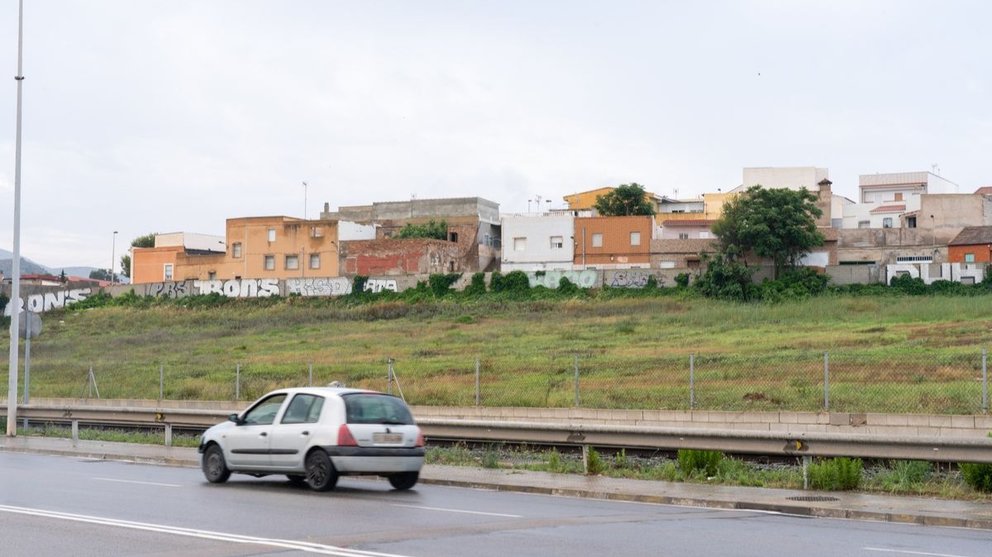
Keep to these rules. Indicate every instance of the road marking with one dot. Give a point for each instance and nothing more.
(904, 552)
(202, 534)
(457, 511)
(136, 482)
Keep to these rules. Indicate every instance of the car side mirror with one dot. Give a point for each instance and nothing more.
(234, 418)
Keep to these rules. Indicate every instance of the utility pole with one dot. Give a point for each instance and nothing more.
(15, 291)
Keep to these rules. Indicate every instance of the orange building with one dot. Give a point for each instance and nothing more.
(256, 247)
(613, 242)
(971, 245)
(586, 200)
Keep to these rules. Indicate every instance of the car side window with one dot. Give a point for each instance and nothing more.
(304, 409)
(264, 413)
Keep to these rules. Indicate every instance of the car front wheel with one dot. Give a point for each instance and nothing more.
(214, 467)
(404, 480)
(321, 475)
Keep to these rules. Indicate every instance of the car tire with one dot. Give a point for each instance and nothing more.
(296, 479)
(404, 480)
(321, 475)
(214, 466)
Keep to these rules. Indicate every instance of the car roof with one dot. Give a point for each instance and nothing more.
(324, 391)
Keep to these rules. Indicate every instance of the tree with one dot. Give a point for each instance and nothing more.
(146, 241)
(100, 274)
(624, 200)
(437, 230)
(779, 224)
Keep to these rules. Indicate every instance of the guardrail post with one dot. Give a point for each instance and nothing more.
(577, 399)
(692, 381)
(75, 431)
(478, 393)
(806, 461)
(985, 380)
(237, 382)
(826, 381)
(168, 435)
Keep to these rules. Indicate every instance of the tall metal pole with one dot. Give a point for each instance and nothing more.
(305, 200)
(113, 254)
(15, 291)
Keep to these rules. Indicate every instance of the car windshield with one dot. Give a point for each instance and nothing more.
(371, 408)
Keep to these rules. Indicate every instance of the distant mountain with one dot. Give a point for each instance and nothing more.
(28, 267)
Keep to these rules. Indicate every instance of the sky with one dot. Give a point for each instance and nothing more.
(174, 115)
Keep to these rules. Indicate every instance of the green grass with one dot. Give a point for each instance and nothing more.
(892, 353)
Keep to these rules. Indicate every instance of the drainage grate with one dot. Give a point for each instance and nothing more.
(812, 498)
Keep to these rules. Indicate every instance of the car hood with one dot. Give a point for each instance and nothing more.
(219, 428)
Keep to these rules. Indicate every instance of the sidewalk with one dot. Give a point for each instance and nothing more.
(857, 506)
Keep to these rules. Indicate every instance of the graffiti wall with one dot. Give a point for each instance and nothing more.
(632, 278)
(238, 288)
(551, 279)
(40, 303)
(379, 285)
(954, 272)
(337, 286)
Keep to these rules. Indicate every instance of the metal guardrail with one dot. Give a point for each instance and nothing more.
(805, 444)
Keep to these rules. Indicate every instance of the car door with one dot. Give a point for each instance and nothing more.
(291, 437)
(247, 444)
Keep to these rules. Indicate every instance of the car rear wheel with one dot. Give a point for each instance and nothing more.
(214, 467)
(404, 480)
(321, 475)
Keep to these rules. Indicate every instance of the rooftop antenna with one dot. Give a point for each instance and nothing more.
(934, 169)
(305, 184)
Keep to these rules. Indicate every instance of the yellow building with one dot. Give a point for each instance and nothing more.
(586, 200)
(255, 247)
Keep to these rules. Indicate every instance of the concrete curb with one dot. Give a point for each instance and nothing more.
(619, 490)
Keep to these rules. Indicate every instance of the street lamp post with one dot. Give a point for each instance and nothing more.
(15, 283)
(113, 254)
(305, 200)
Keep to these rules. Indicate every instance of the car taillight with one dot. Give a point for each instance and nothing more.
(345, 438)
(420, 439)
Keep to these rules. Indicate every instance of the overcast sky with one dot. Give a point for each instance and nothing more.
(161, 116)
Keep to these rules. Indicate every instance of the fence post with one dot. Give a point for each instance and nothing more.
(576, 364)
(161, 382)
(826, 381)
(75, 432)
(478, 393)
(985, 380)
(168, 435)
(389, 375)
(692, 381)
(237, 382)
(310, 376)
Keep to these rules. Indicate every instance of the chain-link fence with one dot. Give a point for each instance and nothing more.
(906, 381)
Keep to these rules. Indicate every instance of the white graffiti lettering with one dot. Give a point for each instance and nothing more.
(948, 271)
(634, 279)
(551, 279)
(40, 303)
(337, 286)
(378, 285)
(235, 288)
(168, 289)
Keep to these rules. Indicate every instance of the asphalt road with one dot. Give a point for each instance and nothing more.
(70, 506)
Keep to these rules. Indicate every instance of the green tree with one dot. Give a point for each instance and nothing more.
(146, 241)
(624, 200)
(779, 224)
(100, 274)
(437, 230)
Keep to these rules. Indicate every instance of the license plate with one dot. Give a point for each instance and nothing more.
(387, 438)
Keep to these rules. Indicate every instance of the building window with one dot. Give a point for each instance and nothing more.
(635, 238)
(168, 271)
(453, 237)
(557, 242)
(969, 258)
(292, 262)
(270, 263)
(314, 260)
(272, 234)
(910, 222)
(887, 222)
(597, 240)
(520, 244)
(683, 235)
(236, 250)
(317, 231)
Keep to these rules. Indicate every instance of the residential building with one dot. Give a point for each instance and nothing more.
(534, 242)
(472, 223)
(410, 256)
(586, 200)
(972, 245)
(613, 242)
(884, 198)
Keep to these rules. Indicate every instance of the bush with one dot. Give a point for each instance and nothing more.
(836, 474)
(595, 465)
(908, 284)
(568, 287)
(978, 476)
(693, 461)
(725, 279)
(514, 282)
(682, 280)
(478, 285)
(441, 284)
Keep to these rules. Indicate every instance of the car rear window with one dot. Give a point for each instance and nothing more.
(371, 408)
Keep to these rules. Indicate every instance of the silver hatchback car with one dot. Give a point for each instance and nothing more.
(315, 434)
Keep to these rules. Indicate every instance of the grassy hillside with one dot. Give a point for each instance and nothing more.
(911, 354)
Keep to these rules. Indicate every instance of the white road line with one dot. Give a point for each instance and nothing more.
(441, 509)
(203, 534)
(135, 482)
(905, 552)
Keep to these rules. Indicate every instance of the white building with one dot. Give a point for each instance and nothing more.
(884, 198)
(784, 177)
(538, 242)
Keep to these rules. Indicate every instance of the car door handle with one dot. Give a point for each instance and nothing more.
(305, 433)
(263, 434)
